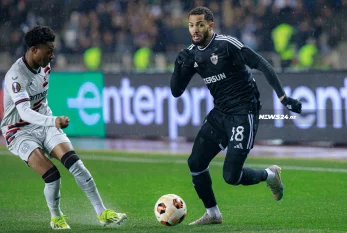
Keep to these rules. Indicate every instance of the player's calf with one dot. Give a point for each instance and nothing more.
(76, 167)
(235, 174)
(52, 195)
(69, 159)
(84, 179)
(247, 176)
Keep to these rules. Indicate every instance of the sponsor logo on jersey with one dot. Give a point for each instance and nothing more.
(214, 58)
(39, 96)
(16, 87)
(215, 78)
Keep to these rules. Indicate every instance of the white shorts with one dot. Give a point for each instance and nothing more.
(27, 140)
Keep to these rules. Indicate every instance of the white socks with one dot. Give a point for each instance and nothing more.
(52, 194)
(213, 212)
(270, 174)
(85, 180)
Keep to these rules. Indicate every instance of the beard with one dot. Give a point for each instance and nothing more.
(202, 41)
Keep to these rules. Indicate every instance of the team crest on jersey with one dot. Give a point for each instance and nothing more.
(214, 58)
(16, 87)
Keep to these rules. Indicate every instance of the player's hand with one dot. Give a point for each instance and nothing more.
(184, 58)
(62, 122)
(293, 105)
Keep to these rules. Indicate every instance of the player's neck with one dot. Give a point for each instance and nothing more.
(31, 62)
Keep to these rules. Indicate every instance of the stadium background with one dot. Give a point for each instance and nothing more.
(111, 76)
(126, 49)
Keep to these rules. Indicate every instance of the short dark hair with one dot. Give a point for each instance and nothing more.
(39, 35)
(200, 10)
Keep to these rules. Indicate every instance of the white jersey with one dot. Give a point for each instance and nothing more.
(25, 98)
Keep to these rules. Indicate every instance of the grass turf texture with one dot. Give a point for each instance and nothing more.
(314, 201)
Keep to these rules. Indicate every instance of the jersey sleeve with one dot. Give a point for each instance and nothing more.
(181, 77)
(16, 84)
(243, 55)
(33, 117)
(255, 61)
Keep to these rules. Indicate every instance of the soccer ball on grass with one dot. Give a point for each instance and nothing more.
(170, 210)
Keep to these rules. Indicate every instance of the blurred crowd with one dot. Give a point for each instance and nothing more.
(303, 33)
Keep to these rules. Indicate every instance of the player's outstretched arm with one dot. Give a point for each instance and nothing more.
(255, 61)
(33, 117)
(183, 73)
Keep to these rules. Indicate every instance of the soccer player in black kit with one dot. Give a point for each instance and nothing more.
(221, 62)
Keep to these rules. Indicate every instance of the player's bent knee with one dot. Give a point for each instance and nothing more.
(69, 159)
(197, 173)
(196, 165)
(191, 162)
(51, 175)
(232, 178)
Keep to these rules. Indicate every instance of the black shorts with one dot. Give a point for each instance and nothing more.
(233, 131)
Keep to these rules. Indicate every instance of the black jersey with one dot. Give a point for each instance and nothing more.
(222, 66)
(223, 70)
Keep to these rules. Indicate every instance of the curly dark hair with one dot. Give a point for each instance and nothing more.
(200, 10)
(39, 35)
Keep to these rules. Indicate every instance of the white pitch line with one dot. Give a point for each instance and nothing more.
(181, 161)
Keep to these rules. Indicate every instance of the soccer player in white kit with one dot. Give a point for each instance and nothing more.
(30, 129)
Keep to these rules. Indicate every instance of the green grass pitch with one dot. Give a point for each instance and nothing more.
(315, 198)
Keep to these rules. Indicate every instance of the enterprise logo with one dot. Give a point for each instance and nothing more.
(81, 102)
